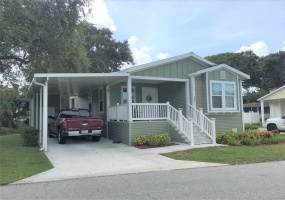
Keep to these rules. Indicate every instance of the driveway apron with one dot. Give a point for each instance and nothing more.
(85, 158)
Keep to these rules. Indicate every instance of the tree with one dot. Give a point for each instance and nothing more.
(252, 96)
(246, 62)
(105, 53)
(40, 36)
(272, 70)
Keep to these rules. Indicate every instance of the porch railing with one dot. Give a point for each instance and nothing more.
(154, 111)
(204, 123)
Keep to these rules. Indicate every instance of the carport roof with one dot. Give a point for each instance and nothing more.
(74, 83)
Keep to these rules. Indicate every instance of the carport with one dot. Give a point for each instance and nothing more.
(47, 88)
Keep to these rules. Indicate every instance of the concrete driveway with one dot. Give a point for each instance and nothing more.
(85, 158)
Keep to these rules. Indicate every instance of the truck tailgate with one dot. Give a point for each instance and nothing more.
(84, 124)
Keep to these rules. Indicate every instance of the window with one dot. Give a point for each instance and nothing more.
(101, 100)
(223, 96)
(124, 93)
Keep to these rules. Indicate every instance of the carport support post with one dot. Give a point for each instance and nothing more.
(41, 118)
(45, 117)
(262, 113)
(37, 111)
(129, 89)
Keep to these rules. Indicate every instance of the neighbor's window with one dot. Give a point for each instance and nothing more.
(223, 95)
(125, 95)
(101, 100)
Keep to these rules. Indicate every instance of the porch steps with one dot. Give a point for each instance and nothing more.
(199, 137)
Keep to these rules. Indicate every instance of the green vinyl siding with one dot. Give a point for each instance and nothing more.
(176, 69)
(154, 127)
(227, 121)
(119, 131)
(174, 92)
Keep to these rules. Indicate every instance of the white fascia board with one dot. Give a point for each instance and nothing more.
(168, 60)
(158, 78)
(261, 98)
(243, 75)
(67, 75)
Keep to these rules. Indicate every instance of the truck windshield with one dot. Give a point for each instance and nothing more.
(74, 113)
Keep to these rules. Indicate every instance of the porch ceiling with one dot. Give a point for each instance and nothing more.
(74, 84)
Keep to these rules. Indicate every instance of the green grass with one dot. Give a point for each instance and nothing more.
(232, 155)
(18, 162)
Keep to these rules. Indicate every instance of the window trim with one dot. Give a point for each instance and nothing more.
(223, 109)
(125, 87)
(99, 111)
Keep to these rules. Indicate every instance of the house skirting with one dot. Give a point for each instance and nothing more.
(126, 132)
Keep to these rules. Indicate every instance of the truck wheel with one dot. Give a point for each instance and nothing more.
(271, 127)
(96, 138)
(61, 138)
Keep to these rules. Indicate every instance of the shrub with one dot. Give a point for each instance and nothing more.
(234, 142)
(29, 135)
(140, 140)
(224, 137)
(254, 126)
(153, 140)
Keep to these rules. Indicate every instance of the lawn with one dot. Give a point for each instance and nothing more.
(18, 162)
(232, 154)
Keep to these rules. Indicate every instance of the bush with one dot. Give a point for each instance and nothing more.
(249, 137)
(140, 140)
(153, 140)
(254, 126)
(29, 135)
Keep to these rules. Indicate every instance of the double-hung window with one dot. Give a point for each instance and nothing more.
(223, 96)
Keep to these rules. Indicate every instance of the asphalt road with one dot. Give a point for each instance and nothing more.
(251, 181)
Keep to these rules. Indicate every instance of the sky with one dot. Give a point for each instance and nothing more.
(158, 29)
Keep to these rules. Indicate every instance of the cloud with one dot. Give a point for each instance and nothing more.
(99, 15)
(259, 48)
(161, 56)
(283, 48)
(132, 40)
(141, 55)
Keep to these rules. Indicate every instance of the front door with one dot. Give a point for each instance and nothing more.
(149, 95)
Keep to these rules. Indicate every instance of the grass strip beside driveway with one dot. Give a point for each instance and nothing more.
(18, 162)
(232, 154)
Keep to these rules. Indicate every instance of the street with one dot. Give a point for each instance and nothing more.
(251, 181)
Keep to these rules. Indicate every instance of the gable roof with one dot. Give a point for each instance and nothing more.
(169, 60)
(243, 76)
(276, 94)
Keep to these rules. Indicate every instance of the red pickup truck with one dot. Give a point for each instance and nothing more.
(74, 122)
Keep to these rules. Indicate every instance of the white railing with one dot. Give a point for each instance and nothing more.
(118, 112)
(149, 111)
(204, 123)
(184, 126)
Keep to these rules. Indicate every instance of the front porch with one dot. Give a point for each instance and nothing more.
(155, 118)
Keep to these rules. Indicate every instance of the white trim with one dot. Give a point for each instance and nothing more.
(187, 93)
(223, 109)
(207, 90)
(242, 75)
(133, 88)
(190, 55)
(84, 75)
(129, 103)
(193, 91)
(262, 98)
(158, 78)
(241, 103)
(37, 111)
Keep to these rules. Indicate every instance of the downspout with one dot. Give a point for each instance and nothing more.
(40, 84)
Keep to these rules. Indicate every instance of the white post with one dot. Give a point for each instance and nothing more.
(187, 98)
(191, 133)
(37, 111)
(45, 113)
(180, 118)
(32, 112)
(193, 91)
(117, 111)
(262, 113)
(168, 110)
(214, 129)
(201, 119)
(129, 91)
(107, 100)
(41, 117)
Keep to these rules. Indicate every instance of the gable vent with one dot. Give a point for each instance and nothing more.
(223, 74)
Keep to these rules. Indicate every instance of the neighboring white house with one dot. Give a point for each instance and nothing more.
(276, 100)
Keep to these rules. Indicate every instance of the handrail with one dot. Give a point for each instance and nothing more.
(203, 122)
